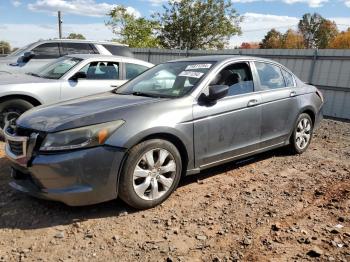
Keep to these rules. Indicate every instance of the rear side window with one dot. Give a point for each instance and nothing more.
(270, 76)
(77, 48)
(119, 50)
(133, 70)
(46, 51)
(288, 77)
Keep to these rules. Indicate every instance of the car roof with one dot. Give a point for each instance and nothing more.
(220, 58)
(81, 41)
(108, 57)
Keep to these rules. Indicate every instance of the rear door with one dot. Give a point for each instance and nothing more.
(101, 76)
(279, 104)
(230, 127)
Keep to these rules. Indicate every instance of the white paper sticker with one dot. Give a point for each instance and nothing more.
(198, 66)
(191, 74)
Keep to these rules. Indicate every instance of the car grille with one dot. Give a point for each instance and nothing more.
(16, 147)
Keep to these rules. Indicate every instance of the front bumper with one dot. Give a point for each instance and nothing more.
(76, 178)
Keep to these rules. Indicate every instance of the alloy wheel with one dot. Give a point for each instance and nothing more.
(8, 115)
(303, 133)
(154, 174)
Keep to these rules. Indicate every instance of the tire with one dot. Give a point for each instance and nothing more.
(302, 134)
(143, 185)
(12, 108)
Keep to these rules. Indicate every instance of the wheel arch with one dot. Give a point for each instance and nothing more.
(176, 141)
(311, 112)
(30, 99)
(307, 110)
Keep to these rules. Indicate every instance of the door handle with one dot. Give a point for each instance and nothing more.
(114, 86)
(293, 93)
(253, 102)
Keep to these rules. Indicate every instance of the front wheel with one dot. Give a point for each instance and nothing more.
(150, 174)
(11, 110)
(302, 134)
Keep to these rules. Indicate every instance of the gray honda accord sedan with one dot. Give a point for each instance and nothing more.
(175, 119)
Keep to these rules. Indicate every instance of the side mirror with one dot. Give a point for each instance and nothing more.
(27, 56)
(77, 76)
(217, 92)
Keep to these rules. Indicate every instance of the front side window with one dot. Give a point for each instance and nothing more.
(58, 68)
(101, 70)
(288, 77)
(238, 77)
(133, 70)
(173, 79)
(77, 48)
(270, 76)
(46, 51)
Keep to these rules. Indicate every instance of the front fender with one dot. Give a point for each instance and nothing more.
(124, 138)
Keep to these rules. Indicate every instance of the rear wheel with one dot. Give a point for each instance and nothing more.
(150, 174)
(302, 134)
(12, 109)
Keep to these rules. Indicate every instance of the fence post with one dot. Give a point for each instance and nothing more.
(149, 55)
(313, 64)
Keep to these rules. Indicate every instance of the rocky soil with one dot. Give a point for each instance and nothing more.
(273, 207)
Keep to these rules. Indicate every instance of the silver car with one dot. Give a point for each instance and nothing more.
(35, 55)
(66, 78)
(175, 119)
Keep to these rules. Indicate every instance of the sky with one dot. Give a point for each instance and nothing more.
(25, 21)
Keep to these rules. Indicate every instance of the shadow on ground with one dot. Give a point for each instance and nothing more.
(20, 211)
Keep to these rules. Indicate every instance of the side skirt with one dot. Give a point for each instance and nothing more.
(226, 160)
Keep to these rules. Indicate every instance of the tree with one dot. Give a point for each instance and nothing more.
(308, 26)
(251, 45)
(341, 41)
(135, 32)
(326, 33)
(5, 47)
(293, 40)
(317, 31)
(198, 24)
(75, 36)
(273, 39)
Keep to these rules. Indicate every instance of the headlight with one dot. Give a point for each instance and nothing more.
(87, 136)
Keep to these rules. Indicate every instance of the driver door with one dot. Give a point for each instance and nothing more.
(101, 76)
(230, 127)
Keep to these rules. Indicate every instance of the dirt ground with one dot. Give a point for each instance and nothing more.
(273, 207)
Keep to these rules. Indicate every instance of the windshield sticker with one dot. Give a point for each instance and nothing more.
(198, 66)
(191, 74)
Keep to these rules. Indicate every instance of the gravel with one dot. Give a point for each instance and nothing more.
(271, 207)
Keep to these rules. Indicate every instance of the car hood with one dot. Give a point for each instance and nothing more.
(13, 79)
(80, 112)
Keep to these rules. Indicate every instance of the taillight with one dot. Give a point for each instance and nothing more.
(320, 95)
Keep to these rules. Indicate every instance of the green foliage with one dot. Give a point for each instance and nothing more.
(135, 32)
(198, 24)
(317, 31)
(273, 39)
(5, 47)
(326, 33)
(75, 36)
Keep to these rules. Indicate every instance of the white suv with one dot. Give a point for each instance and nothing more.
(35, 55)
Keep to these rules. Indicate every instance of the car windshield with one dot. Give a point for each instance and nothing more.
(58, 68)
(18, 51)
(173, 79)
